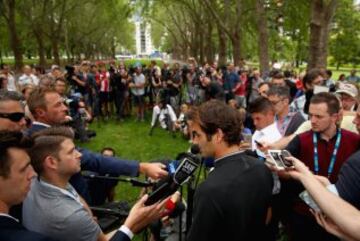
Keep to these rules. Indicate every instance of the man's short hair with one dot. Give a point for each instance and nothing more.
(213, 115)
(6, 95)
(278, 75)
(280, 91)
(264, 83)
(108, 149)
(61, 79)
(10, 139)
(37, 99)
(329, 73)
(332, 102)
(310, 76)
(48, 142)
(260, 105)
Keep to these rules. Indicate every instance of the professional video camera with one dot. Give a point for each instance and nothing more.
(70, 72)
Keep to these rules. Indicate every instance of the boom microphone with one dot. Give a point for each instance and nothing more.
(133, 181)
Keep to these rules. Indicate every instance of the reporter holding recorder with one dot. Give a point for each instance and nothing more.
(54, 208)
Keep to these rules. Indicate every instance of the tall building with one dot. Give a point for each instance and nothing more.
(144, 44)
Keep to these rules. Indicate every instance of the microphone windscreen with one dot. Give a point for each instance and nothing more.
(195, 149)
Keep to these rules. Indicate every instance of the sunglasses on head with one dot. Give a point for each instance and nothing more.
(15, 117)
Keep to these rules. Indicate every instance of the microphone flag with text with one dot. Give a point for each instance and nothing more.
(180, 171)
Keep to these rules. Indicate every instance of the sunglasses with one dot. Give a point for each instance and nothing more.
(15, 117)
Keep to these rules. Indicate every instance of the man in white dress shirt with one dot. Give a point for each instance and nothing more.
(28, 78)
(263, 114)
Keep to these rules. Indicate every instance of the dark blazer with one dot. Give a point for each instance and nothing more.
(120, 236)
(10, 230)
(96, 162)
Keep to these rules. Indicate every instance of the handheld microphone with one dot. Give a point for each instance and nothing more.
(188, 165)
(174, 164)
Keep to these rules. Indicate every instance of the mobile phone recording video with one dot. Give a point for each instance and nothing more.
(278, 158)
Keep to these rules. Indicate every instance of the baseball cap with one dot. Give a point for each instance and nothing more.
(347, 88)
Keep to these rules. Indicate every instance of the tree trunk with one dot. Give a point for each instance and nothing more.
(113, 48)
(222, 46)
(8, 11)
(236, 45)
(321, 16)
(209, 49)
(200, 38)
(41, 48)
(263, 38)
(55, 50)
(194, 47)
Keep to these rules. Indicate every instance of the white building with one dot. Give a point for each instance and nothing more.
(144, 46)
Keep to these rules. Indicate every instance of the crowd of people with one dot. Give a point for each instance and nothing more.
(235, 115)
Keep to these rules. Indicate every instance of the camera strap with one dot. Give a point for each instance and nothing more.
(333, 156)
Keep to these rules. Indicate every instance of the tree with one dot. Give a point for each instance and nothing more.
(233, 24)
(322, 12)
(263, 36)
(8, 11)
(345, 38)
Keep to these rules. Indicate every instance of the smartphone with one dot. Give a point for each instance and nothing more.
(287, 163)
(275, 159)
(258, 143)
(309, 201)
(278, 158)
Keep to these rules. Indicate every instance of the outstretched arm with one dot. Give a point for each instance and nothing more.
(343, 215)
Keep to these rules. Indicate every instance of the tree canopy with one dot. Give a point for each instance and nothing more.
(316, 32)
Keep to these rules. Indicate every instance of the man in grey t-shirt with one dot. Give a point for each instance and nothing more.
(138, 90)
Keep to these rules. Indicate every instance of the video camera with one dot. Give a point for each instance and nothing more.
(70, 72)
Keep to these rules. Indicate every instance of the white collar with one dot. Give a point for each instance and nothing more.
(8, 216)
(40, 124)
(269, 129)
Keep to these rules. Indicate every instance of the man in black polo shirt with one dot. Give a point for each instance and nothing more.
(231, 204)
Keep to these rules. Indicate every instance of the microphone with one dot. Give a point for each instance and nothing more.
(133, 181)
(188, 165)
(173, 165)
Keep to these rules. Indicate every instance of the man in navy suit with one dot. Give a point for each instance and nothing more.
(15, 178)
(48, 110)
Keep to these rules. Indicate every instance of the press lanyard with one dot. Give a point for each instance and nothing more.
(333, 157)
(282, 128)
